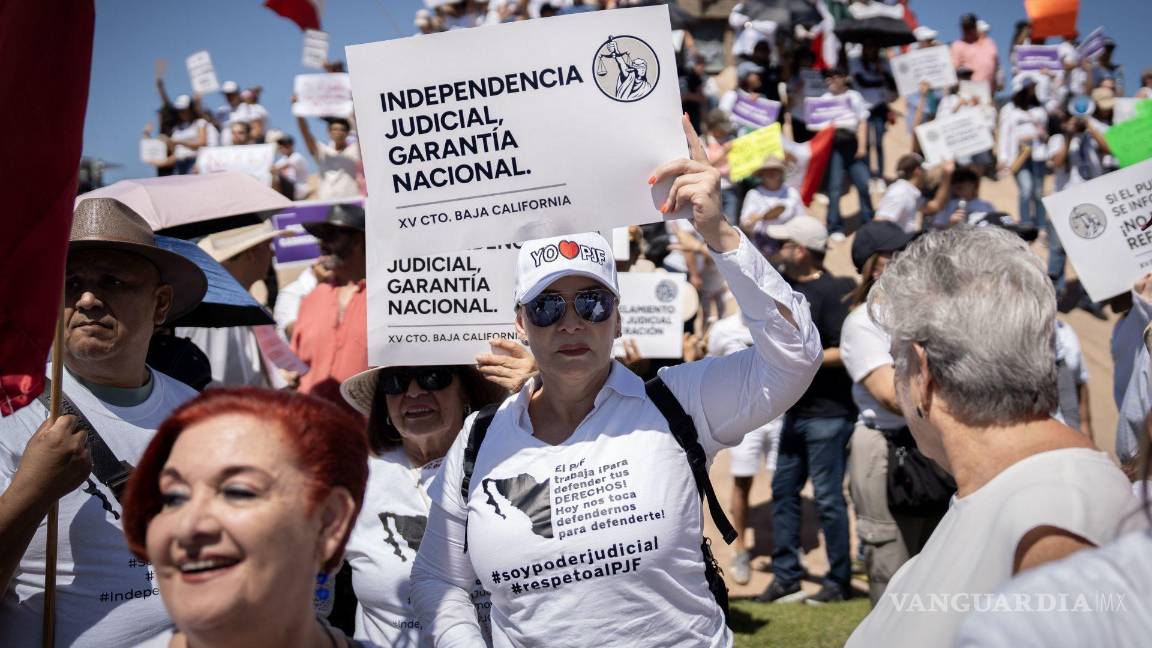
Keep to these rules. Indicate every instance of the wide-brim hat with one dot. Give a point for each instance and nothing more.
(108, 224)
(360, 390)
(772, 162)
(222, 246)
(1104, 98)
(341, 215)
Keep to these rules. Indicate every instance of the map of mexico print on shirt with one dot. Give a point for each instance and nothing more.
(528, 496)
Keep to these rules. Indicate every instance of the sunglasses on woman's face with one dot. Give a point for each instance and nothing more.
(395, 382)
(595, 305)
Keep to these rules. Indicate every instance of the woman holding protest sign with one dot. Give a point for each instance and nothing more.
(586, 471)
(414, 415)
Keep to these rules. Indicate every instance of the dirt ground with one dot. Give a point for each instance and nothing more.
(1094, 337)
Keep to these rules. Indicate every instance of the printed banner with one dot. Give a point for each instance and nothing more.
(931, 64)
(652, 313)
(441, 309)
(322, 95)
(1037, 57)
(548, 127)
(153, 150)
(755, 113)
(963, 134)
(315, 52)
(1131, 141)
(819, 111)
(299, 246)
(1099, 223)
(748, 151)
(253, 159)
(202, 74)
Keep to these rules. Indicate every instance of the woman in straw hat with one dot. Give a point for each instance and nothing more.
(578, 510)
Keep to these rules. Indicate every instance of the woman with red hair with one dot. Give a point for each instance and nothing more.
(241, 499)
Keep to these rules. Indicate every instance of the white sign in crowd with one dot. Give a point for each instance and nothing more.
(931, 64)
(315, 52)
(253, 159)
(556, 135)
(962, 134)
(441, 309)
(1101, 226)
(153, 150)
(202, 74)
(322, 95)
(652, 313)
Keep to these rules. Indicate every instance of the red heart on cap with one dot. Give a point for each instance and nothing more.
(569, 249)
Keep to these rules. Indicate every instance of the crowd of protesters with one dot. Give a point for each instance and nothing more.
(934, 402)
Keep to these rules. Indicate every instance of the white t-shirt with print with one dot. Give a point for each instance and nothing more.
(185, 132)
(105, 596)
(900, 204)
(383, 545)
(973, 549)
(865, 347)
(596, 541)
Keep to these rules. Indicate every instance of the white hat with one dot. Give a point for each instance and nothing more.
(183, 102)
(229, 87)
(802, 230)
(983, 27)
(423, 17)
(222, 246)
(924, 33)
(543, 261)
(1022, 80)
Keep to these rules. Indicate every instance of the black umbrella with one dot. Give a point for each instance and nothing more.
(881, 31)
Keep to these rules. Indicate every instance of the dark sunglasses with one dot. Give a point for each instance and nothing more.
(394, 382)
(595, 305)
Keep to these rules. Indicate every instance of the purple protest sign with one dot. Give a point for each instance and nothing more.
(1092, 45)
(300, 246)
(819, 111)
(755, 113)
(1037, 57)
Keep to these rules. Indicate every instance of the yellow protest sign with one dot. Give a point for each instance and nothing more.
(748, 151)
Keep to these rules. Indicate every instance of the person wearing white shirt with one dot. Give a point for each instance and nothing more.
(771, 202)
(223, 114)
(338, 162)
(971, 315)
(620, 510)
(251, 113)
(749, 32)
(1023, 134)
(849, 152)
(904, 199)
(290, 169)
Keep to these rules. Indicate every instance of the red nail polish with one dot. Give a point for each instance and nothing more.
(651, 180)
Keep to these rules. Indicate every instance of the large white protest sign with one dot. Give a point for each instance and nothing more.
(545, 127)
(322, 95)
(441, 309)
(978, 90)
(651, 312)
(962, 134)
(202, 74)
(1100, 226)
(253, 159)
(931, 64)
(315, 52)
(153, 150)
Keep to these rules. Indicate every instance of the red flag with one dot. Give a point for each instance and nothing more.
(41, 156)
(821, 150)
(305, 13)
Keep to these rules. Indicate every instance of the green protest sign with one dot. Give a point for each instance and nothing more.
(1131, 142)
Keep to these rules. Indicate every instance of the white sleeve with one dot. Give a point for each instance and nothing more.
(862, 111)
(731, 396)
(442, 574)
(863, 348)
(727, 101)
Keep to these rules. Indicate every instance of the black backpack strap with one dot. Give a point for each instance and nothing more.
(684, 431)
(110, 470)
(472, 450)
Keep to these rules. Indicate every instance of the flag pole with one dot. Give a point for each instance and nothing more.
(49, 619)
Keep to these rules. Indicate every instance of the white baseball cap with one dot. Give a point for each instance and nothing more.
(983, 27)
(802, 230)
(229, 87)
(543, 261)
(183, 102)
(923, 33)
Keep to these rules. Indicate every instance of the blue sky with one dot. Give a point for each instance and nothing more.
(251, 45)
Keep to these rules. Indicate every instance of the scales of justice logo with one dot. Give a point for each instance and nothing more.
(627, 69)
(1087, 221)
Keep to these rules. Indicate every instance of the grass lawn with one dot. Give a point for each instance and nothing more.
(761, 625)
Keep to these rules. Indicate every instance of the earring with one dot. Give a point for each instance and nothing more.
(919, 412)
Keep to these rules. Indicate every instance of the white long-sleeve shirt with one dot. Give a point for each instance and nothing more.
(596, 541)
